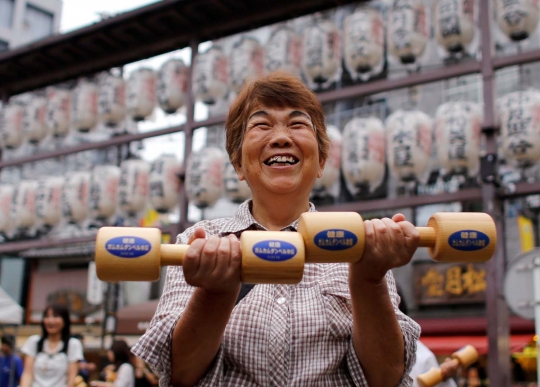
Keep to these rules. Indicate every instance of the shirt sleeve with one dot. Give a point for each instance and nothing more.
(29, 348)
(75, 350)
(154, 346)
(125, 376)
(19, 367)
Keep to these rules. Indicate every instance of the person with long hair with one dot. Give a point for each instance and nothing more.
(120, 373)
(51, 360)
(339, 326)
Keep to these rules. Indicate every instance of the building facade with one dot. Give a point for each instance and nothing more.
(25, 21)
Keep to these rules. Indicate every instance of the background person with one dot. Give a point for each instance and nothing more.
(425, 359)
(340, 326)
(51, 360)
(121, 372)
(11, 365)
(144, 377)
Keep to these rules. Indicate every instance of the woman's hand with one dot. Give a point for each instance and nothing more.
(389, 243)
(213, 264)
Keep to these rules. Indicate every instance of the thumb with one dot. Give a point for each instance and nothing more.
(199, 233)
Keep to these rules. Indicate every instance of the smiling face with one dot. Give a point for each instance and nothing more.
(53, 324)
(280, 152)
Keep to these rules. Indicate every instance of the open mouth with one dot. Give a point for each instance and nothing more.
(280, 161)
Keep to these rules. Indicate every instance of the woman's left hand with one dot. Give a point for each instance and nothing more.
(389, 243)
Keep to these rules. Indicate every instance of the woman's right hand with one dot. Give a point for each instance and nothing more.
(213, 264)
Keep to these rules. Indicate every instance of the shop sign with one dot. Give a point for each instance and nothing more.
(449, 283)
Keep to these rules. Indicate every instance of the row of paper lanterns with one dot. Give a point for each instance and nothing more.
(404, 141)
(318, 54)
(97, 195)
(361, 152)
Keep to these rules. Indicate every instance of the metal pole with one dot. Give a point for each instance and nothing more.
(188, 135)
(497, 310)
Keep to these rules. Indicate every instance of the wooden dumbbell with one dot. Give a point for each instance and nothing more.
(464, 357)
(136, 254)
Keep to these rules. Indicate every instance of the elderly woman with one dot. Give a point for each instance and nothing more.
(340, 326)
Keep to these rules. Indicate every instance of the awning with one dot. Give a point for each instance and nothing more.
(134, 319)
(445, 345)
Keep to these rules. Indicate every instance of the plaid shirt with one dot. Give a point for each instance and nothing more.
(278, 335)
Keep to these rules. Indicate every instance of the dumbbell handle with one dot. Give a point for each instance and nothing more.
(173, 255)
(464, 357)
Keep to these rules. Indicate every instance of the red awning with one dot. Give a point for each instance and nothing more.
(445, 345)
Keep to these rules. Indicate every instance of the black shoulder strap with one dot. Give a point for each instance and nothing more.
(244, 290)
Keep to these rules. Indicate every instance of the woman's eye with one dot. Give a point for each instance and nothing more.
(299, 125)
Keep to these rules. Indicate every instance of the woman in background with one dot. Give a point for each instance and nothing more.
(51, 360)
(121, 373)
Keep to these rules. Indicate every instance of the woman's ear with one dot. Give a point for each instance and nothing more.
(322, 163)
(238, 169)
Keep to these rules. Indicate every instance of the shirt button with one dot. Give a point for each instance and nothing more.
(281, 300)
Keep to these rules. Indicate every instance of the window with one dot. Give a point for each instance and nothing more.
(6, 12)
(3, 45)
(38, 23)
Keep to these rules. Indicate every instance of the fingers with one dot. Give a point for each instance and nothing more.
(198, 233)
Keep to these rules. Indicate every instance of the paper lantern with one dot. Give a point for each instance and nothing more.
(283, 51)
(517, 18)
(458, 130)
(211, 76)
(321, 56)
(112, 100)
(49, 200)
(454, 24)
(409, 141)
(24, 204)
(408, 32)
(520, 127)
(363, 37)
(34, 125)
(165, 183)
(204, 177)
(333, 163)
(75, 197)
(84, 113)
(172, 85)
(141, 93)
(363, 157)
(58, 111)
(246, 61)
(133, 191)
(237, 191)
(7, 193)
(11, 125)
(104, 185)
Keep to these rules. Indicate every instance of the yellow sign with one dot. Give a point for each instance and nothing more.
(526, 233)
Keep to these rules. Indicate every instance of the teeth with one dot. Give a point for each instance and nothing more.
(282, 159)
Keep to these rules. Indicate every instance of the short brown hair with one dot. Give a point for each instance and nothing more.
(276, 90)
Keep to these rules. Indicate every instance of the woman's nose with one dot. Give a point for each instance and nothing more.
(281, 137)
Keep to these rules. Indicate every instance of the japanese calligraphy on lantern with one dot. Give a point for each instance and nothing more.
(409, 138)
(458, 127)
(454, 24)
(321, 58)
(452, 283)
(363, 36)
(363, 156)
(517, 18)
(408, 31)
(283, 51)
(246, 61)
(520, 127)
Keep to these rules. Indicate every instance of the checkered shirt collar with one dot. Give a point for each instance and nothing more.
(244, 220)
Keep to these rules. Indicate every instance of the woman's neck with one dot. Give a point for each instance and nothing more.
(278, 212)
(54, 338)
